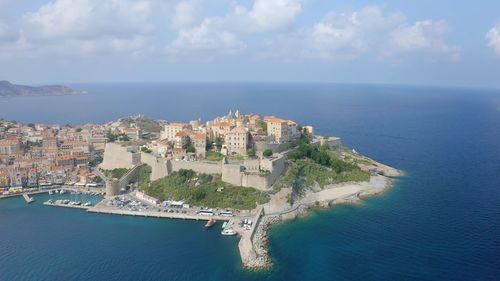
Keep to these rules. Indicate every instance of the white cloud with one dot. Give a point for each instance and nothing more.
(348, 35)
(424, 36)
(88, 26)
(266, 15)
(221, 34)
(207, 38)
(90, 18)
(186, 13)
(493, 37)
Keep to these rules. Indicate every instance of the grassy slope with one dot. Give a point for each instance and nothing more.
(201, 190)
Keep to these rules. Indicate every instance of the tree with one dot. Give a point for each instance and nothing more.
(123, 137)
(251, 152)
(263, 125)
(145, 149)
(111, 137)
(218, 142)
(267, 153)
(190, 149)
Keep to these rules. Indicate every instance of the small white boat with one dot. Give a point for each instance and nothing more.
(228, 232)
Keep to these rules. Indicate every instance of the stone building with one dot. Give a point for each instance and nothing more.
(236, 141)
(10, 146)
(278, 128)
(172, 129)
(181, 140)
(199, 142)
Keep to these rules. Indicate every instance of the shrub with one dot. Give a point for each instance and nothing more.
(267, 153)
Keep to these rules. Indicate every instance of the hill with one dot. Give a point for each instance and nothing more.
(9, 89)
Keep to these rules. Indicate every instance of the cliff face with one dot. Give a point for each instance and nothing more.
(9, 89)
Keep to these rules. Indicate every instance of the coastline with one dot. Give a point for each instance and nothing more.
(258, 257)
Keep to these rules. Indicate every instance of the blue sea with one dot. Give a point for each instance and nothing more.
(439, 222)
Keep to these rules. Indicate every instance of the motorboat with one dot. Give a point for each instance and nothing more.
(210, 223)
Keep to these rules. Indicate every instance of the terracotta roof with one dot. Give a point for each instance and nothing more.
(9, 142)
(200, 136)
(274, 119)
(180, 134)
(238, 130)
(223, 124)
(179, 125)
(64, 157)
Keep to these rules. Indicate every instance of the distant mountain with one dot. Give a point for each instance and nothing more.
(9, 89)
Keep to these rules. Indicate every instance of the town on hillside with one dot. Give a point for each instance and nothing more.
(249, 150)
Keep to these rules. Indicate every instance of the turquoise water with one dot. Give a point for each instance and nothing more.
(440, 222)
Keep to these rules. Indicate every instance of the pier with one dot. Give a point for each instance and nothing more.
(27, 198)
(250, 256)
(67, 206)
(155, 214)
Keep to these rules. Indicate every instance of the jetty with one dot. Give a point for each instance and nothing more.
(27, 198)
(54, 204)
(154, 214)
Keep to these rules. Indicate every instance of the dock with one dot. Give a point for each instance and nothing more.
(154, 214)
(67, 206)
(249, 253)
(27, 198)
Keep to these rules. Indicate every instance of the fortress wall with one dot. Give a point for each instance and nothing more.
(232, 174)
(116, 156)
(255, 181)
(158, 165)
(261, 146)
(278, 165)
(125, 179)
(205, 167)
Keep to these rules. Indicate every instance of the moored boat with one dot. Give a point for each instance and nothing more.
(210, 223)
(228, 232)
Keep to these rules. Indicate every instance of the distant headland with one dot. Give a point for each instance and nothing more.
(8, 89)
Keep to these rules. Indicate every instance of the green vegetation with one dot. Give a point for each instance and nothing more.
(304, 139)
(213, 156)
(267, 153)
(310, 165)
(145, 149)
(251, 152)
(143, 123)
(202, 190)
(190, 149)
(115, 173)
(236, 157)
(96, 160)
(219, 142)
(112, 137)
(143, 177)
(321, 155)
(123, 137)
(263, 125)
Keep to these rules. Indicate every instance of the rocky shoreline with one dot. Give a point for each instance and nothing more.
(347, 193)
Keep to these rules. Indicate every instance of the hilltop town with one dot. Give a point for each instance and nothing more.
(245, 169)
(33, 155)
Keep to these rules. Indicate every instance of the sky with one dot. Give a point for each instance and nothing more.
(425, 42)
